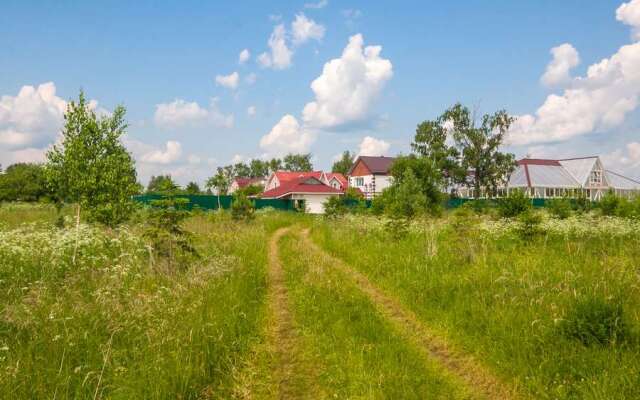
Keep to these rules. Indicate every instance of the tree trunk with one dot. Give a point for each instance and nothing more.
(75, 248)
(218, 201)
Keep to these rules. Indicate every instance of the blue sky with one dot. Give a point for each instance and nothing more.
(161, 60)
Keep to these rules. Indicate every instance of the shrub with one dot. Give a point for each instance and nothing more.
(609, 203)
(242, 208)
(560, 208)
(514, 204)
(582, 204)
(529, 224)
(595, 321)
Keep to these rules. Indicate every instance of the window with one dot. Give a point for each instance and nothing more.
(596, 177)
(359, 181)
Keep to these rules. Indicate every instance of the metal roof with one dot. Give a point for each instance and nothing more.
(377, 165)
(579, 168)
(618, 181)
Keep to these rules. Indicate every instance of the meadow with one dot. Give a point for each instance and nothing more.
(292, 306)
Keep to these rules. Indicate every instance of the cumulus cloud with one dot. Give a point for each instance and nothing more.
(629, 14)
(565, 57)
(182, 113)
(371, 146)
(251, 111)
(33, 117)
(170, 154)
(598, 101)
(280, 54)
(244, 56)
(624, 160)
(229, 81)
(303, 29)
(348, 86)
(318, 5)
(287, 136)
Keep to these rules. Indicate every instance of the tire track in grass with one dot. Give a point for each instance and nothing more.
(292, 376)
(465, 367)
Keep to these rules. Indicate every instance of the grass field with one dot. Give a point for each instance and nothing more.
(457, 308)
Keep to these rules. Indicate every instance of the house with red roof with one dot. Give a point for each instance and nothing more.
(335, 180)
(307, 190)
(371, 175)
(241, 183)
(278, 178)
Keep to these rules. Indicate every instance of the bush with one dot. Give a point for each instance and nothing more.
(529, 224)
(516, 203)
(595, 321)
(560, 208)
(242, 208)
(608, 205)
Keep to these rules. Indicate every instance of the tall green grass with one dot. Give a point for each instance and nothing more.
(358, 353)
(506, 300)
(111, 326)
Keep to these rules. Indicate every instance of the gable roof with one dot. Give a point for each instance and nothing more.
(621, 182)
(579, 168)
(338, 176)
(285, 176)
(377, 165)
(300, 185)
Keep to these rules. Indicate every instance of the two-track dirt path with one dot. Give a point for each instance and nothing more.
(292, 375)
(479, 380)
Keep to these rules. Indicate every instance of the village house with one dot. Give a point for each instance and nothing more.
(306, 189)
(573, 177)
(371, 175)
(335, 180)
(241, 183)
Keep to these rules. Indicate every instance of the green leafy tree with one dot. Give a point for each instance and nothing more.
(91, 167)
(343, 165)
(406, 197)
(516, 203)
(241, 170)
(221, 182)
(23, 182)
(425, 171)
(192, 188)
(430, 141)
(298, 162)
(275, 164)
(258, 168)
(162, 184)
(479, 147)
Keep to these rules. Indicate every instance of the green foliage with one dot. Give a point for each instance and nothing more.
(242, 208)
(162, 184)
(90, 166)
(424, 188)
(221, 180)
(514, 204)
(405, 197)
(192, 188)
(251, 190)
(258, 168)
(431, 142)
(593, 320)
(560, 208)
(351, 202)
(609, 203)
(343, 165)
(298, 162)
(23, 182)
(478, 147)
(581, 204)
(169, 240)
(529, 225)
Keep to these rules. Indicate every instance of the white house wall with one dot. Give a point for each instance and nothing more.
(314, 203)
(372, 185)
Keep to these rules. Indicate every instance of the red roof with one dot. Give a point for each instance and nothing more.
(244, 182)
(538, 161)
(285, 176)
(300, 185)
(338, 176)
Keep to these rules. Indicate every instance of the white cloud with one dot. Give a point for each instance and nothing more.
(598, 101)
(318, 5)
(193, 159)
(624, 161)
(182, 113)
(169, 155)
(304, 29)
(348, 86)
(629, 14)
(373, 147)
(33, 117)
(280, 54)
(565, 57)
(244, 56)
(238, 158)
(287, 136)
(229, 81)
(251, 111)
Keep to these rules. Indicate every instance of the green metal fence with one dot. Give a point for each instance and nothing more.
(211, 202)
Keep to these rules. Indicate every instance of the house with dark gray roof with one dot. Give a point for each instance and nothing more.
(371, 174)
